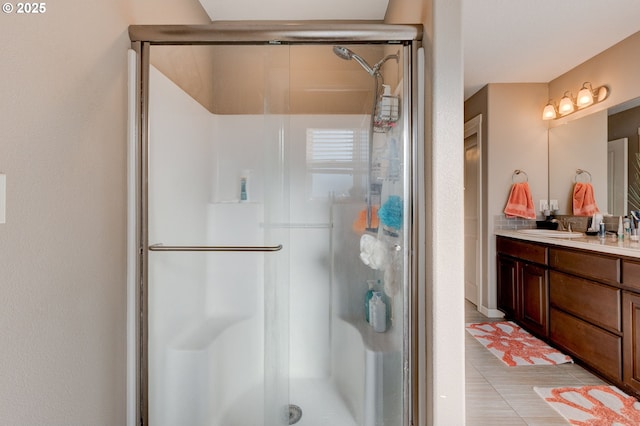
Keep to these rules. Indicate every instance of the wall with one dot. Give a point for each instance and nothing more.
(62, 250)
(579, 144)
(616, 67)
(441, 353)
(516, 142)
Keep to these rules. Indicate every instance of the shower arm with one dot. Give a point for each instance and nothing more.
(380, 63)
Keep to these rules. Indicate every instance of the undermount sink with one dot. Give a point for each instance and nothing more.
(551, 233)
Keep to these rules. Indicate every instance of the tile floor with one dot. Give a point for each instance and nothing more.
(500, 395)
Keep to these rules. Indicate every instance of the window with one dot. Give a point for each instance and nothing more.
(336, 161)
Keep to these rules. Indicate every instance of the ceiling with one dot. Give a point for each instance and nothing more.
(233, 10)
(535, 41)
(505, 41)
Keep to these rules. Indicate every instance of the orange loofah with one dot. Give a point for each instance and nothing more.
(360, 224)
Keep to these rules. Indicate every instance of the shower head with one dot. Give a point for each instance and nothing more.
(342, 52)
(346, 54)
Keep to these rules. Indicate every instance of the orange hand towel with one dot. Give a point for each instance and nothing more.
(520, 203)
(584, 202)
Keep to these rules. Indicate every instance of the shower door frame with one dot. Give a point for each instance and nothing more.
(271, 32)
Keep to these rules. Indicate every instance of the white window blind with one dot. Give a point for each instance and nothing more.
(336, 160)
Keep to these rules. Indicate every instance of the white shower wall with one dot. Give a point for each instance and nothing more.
(207, 310)
(177, 294)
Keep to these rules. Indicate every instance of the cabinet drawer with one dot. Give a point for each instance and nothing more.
(594, 302)
(593, 345)
(631, 274)
(522, 250)
(589, 265)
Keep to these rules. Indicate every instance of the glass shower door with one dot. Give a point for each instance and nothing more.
(217, 261)
(278, 235)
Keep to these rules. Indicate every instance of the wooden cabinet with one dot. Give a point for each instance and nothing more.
(507, 285)
(534, 311)
(584, 302)
(523, 284)
(592, 345)
(631, 339)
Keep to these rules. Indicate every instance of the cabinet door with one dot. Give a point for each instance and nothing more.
(507, 286)
(631, 339)
(534, 288)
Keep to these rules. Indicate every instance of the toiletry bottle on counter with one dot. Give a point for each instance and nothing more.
(244, 185)
(627, 227)
(601, 230)
(378, 313)
(620, 229)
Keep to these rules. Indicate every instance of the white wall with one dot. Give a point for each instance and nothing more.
(62, 250)
(441, 331)
(179, 187)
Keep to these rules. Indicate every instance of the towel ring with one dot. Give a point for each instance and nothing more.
(579, 172)
(516, 172)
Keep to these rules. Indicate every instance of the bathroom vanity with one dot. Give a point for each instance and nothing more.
(581, 295)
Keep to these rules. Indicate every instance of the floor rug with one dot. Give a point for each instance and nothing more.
(593, 405)
(514, 346)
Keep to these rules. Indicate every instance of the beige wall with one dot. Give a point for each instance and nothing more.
(616, 67)
(443, 380)
(513, 137)
(62, 250)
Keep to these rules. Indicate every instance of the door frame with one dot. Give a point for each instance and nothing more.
(474, 127)
(142, 38)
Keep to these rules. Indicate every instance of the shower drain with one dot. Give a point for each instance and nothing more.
(295, 413)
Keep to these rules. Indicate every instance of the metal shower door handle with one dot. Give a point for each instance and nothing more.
(162, 247)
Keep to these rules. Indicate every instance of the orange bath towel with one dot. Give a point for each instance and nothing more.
(584, 202)
(520, 203)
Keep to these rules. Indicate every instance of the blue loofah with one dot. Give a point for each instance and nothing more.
(390, 213)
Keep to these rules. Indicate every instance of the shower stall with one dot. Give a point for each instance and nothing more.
(273, 173)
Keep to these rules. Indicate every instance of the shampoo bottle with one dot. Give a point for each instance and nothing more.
(367, 299)
(244, 186)
(378, 313)
(601, 230)
(627, 227)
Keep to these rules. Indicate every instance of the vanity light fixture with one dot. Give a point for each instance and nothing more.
(549, 111)
(568, 105)
(585, 96)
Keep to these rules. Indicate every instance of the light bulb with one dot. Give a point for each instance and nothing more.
(566, 105)
(549, 112)
(585, 96)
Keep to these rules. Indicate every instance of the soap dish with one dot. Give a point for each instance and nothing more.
(591, 232)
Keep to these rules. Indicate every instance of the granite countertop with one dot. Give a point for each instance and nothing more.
(610, 244)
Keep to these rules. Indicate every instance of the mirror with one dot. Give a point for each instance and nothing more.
(604, 145)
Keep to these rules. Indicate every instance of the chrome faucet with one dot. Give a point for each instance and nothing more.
(565, 224)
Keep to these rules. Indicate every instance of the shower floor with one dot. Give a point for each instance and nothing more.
(319, 400)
